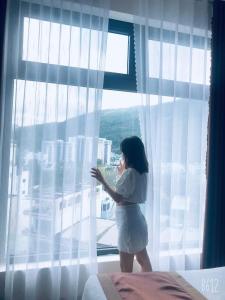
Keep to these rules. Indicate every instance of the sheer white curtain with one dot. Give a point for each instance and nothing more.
(54, 67)
(172, 41)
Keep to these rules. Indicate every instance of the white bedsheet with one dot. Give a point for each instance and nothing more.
(210, 282)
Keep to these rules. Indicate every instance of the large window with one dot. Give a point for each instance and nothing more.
(119, 119)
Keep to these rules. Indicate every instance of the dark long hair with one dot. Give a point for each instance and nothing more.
(134, 153)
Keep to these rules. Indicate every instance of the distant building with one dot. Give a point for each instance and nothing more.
(69, 152)
(24, 183)
(52, 152)
(82, 147)
(77, 146)
(76, 149)
(104, 150)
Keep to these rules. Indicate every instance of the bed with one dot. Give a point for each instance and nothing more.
(197, 284)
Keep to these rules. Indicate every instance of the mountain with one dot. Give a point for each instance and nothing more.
(115, 125)
(118, 124)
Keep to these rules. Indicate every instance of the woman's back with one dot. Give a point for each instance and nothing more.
(133, 186)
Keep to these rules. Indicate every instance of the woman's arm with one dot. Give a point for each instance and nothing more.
(96, 173)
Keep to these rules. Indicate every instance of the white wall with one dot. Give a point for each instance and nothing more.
(189, 11)
(184, 12)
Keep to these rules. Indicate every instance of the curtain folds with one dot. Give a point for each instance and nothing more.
(54, 78)
(172, 46)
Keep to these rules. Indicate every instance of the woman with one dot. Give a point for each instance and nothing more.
(131, 189)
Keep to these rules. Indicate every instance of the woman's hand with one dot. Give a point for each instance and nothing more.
(96, 173)
(121, 167)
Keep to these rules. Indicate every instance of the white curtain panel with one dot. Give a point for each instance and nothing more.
(172, 41)
(54, 70)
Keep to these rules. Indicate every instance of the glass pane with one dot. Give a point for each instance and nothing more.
(201, 66)
(195, 58)
(49, 142)
(168, 61)
(154, 59)
(182, 180)
(49, 42)
(117, 53)
(183, 63)
(43, 159)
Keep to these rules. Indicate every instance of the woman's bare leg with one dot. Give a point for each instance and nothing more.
(126, 262)
(144, 261)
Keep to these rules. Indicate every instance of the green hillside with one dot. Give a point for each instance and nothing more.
(115, 125)
(118, 124)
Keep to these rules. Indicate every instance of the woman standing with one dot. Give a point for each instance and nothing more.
(131, 189)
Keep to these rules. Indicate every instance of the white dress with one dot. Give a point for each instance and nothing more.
(132, 227)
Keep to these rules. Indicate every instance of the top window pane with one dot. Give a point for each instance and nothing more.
(61, 44)
(117, 53)
(180, 63)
